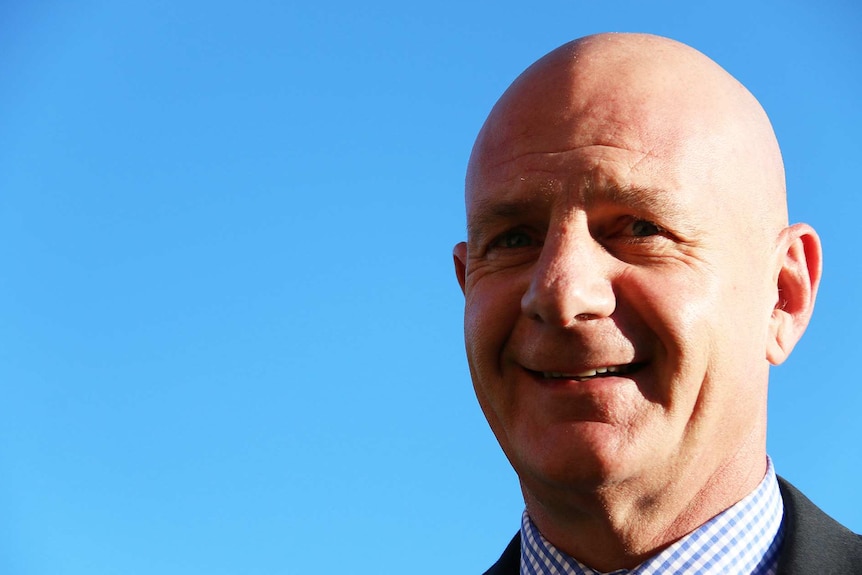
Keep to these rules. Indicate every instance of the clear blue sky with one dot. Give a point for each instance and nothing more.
(230, 334)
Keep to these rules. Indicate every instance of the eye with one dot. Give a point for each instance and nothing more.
(513, 239)
(644, 228)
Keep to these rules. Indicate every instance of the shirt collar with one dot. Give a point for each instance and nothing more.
(743, 539)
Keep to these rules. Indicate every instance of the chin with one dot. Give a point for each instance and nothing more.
(583, 457)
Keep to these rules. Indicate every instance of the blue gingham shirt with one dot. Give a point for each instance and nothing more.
(742, 540)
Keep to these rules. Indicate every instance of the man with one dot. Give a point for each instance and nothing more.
(629, 276)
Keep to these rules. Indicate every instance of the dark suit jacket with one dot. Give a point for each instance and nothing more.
(814, 543)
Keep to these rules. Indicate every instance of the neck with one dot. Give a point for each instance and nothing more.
(620, 526)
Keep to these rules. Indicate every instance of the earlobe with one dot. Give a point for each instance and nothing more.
(459, 254)
(798, 277)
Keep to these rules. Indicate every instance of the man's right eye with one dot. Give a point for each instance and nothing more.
(514, 239)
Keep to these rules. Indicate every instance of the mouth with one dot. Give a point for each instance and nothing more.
(588, 374)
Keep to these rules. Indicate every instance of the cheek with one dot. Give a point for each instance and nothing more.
(708, 336)
(674, 316)
(490, 313)
(676, 309)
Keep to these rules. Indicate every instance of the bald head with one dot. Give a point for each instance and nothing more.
(649, 94)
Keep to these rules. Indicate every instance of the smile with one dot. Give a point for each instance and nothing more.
(591, 373)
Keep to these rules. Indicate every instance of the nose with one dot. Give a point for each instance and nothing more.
(570, 281)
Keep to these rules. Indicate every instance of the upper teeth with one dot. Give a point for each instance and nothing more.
(587, 373)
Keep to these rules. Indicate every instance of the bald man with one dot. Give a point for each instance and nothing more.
(629, 277)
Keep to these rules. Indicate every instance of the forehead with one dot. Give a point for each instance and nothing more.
(560, 137)
(520, 180)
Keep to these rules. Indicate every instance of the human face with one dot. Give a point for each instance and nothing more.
(618, 292)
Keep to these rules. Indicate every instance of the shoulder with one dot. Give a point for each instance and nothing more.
(509, 562)
(813, 541)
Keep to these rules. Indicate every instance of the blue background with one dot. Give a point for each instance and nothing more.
(230, 334)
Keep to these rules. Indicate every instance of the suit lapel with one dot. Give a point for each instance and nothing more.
(814, 543)
(510, 561)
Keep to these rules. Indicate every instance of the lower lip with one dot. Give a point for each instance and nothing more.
(606, 400)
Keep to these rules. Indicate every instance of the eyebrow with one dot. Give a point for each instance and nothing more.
(486, 213)
(648, 202)
(640, 198)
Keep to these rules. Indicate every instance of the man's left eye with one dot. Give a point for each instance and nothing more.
(644, 228)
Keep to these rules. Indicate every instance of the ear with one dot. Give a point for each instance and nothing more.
(800, 260)
(459, 254)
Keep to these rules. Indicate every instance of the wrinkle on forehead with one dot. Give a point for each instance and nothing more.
(550, 155)
(512, 165)
(581, 174)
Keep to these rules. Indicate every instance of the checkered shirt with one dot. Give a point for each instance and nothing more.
(742, 540)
